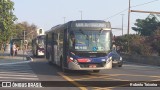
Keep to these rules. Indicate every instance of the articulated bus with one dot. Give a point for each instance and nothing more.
(80, 45)
(38, 46)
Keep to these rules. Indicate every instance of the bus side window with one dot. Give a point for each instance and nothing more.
(55, 38)
(72, 40)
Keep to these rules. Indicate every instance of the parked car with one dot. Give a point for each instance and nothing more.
(117, 59)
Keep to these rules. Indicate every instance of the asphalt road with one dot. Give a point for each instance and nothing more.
(118, 78)
(128, 72)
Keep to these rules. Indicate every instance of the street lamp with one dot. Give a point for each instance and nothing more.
(122, 23)
(23, 42)
(129, 10)
(81, 13)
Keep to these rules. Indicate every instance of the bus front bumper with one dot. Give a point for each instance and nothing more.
(73, 66)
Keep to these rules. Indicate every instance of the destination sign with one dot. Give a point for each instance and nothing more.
(91, 25)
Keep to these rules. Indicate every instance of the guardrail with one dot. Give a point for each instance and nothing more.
(150, 60)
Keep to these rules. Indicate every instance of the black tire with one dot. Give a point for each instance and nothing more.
(120, 65)
(36, 53)
(96, 71)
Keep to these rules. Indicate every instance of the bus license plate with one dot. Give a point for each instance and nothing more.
(92, 66)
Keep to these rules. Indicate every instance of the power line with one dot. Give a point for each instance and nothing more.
(145, 3)
(131, 7)
(116, 14)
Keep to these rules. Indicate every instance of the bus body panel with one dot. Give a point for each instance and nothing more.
(58, 45)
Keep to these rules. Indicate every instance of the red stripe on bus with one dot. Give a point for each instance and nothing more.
(83, 60)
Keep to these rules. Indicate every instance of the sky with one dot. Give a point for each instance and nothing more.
(48, 13)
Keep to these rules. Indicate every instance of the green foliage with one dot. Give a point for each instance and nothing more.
(30, 31)
(146, 42)
(7, 19)
(155, 40)
(137, 44)
(123, 42)
(146, 26)
(140, 45)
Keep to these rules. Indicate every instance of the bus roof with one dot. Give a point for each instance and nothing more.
(90, 21)
(83, 23)
(91, 24)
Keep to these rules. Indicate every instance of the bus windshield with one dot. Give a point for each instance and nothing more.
(95, 40)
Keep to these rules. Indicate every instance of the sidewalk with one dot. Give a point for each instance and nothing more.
(7, 58)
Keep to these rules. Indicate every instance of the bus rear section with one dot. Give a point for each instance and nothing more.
(38, 46)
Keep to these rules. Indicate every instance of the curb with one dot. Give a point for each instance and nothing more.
(29, 58)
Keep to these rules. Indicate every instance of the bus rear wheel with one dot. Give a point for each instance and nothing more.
(96, 71)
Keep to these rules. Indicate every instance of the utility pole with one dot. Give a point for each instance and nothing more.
(81, 13)
(23, 43)
(64, 18)
(122, 23)
(129, 10)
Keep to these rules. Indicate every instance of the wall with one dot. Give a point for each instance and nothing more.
(150, 60)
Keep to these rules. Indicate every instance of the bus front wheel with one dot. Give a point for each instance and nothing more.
(62, 66)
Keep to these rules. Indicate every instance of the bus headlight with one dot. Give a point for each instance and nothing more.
(109, 59)
(120, 58)
(69, 59)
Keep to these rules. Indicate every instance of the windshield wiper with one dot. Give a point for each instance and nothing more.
(87, 37)
(100, 32)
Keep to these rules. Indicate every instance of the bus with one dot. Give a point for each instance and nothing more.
(38, 46)
(80, 45)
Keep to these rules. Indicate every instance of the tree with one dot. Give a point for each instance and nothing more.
(30, 31)
(155, 39)
(7, 19)
(147, 26)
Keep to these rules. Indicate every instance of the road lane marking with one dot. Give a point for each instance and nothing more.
(17, 71)
(117, 79)
(18, 75)
(98, 88)
(72, 81)
(92, 77)
(113, 75)
(15, 63)
(18, 78)
(131, 75)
